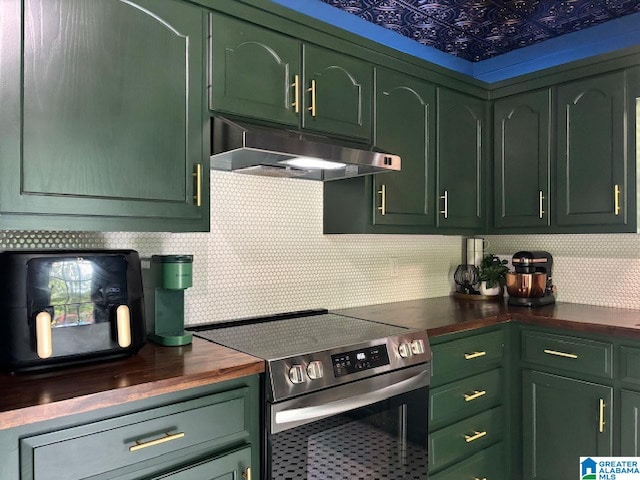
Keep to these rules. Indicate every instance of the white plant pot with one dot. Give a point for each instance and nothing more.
(490, 292)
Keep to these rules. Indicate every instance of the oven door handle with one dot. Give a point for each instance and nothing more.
(307, 414)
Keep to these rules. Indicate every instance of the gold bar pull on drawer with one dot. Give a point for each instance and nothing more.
(616, 200)
(470, 356)
(247, 474)
(601, 417)
(468, 397)
(475, 436)
(167, 438)
(479, 478)
(296, 93)
(560, 354)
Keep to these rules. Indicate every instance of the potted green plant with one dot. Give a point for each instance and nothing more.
(493, 274)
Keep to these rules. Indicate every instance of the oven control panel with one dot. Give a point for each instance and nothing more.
(359, 360)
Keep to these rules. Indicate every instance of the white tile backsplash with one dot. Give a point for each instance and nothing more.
(266, 254)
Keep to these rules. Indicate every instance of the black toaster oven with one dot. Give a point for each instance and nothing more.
(65, 307)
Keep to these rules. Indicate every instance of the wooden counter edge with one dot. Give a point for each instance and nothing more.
(109, 398)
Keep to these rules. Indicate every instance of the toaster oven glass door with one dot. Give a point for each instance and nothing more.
(76, 290)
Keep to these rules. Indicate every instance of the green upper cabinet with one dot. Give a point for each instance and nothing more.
(522, 160)
(592, 173)
(460, 171)
(98, 130)
(254, 71)
(564, 419)
(406, 197)
(258, 73)
(337, 93)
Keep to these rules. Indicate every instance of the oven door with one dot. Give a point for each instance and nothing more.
(371, 429)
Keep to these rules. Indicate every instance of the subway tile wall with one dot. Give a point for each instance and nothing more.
(266, 254)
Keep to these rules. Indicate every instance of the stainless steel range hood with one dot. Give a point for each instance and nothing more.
(267, 151)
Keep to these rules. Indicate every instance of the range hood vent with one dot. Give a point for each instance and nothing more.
(259, 150)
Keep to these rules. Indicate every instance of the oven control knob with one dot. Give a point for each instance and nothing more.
(296, 374)
(404, 349)
(315, 370)
(417, 346)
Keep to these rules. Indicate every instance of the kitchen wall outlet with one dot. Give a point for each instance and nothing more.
(393, 267)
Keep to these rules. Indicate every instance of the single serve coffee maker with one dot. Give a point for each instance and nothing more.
(530, 285)
(165, 278)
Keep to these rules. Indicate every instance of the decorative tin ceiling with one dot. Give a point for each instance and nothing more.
(476, 30)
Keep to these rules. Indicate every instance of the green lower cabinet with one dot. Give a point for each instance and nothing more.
(488, 464)
(629, 423)
(233, 466)
(462, 439)
(563, 419)
(98, 131)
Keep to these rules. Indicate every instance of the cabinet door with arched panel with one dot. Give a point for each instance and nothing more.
(254, 71)
(337, 93)
(405, 126)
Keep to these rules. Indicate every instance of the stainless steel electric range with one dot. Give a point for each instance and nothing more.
(343, 397)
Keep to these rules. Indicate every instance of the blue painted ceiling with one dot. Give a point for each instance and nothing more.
(477, 30)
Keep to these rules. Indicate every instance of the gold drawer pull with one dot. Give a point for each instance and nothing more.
(296, 93)
(475, 436)
(247, 474)
(312, 90)
(560, 354)
(167, 438)
(601, 421)
(479, 478)
(468, 397)
(470, 356)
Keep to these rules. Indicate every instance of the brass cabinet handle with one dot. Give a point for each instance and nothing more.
(312, 89)
(445, 210)
(560, 354)
(44, 342)
(616, 200)
(468, 397)
(475, 436)
(296, 93)
(601, 421)
(541, 210)
(198, 175)
(479, 478)
(383, 199)
(168, 437)
(470, 356)
(247, 473)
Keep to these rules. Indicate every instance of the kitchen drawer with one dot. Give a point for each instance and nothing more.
(487, 464)
(462, 439)
(233, 465)
(466, 356)
(464, 398)
(573, 354)
(630, 365)
(110, 445)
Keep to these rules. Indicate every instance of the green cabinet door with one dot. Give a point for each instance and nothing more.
(563, 419)
(254, 71)
(522, 160)
(629, 423)
(233, 466)
(337, 93)
(99, 130)
(460, 176)
(591, 152)
(405, 125)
